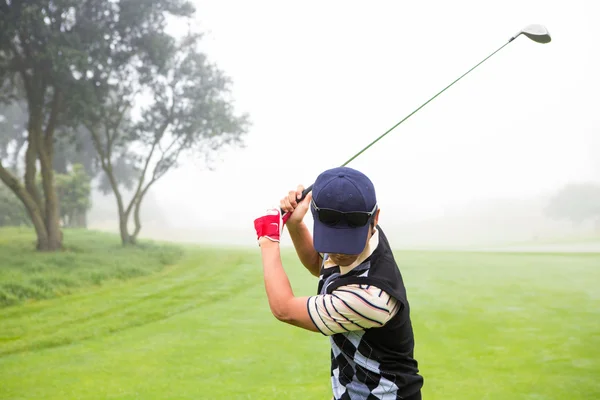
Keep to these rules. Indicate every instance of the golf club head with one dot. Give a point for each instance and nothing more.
(537, 33)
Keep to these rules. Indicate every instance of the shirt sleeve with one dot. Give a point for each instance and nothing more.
(351, 308)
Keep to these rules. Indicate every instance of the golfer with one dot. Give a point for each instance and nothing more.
(361, 302)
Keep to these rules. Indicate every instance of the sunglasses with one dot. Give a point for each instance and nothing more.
(354, 219)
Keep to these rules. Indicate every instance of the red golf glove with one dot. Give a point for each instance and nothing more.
(269, 225)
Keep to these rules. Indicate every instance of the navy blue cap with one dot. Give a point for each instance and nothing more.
(342, 189)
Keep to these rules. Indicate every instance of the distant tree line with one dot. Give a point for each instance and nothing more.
(577, 203)
(98, 90)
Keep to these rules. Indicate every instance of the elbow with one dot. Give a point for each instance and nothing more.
(280, 312)
(315, 267)
(281, 315)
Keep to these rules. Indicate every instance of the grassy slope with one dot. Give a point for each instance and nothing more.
(488, 326)
(89, 258)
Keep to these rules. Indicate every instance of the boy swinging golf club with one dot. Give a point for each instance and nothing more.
(361, 302)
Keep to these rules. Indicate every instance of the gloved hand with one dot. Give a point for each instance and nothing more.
(269, 225)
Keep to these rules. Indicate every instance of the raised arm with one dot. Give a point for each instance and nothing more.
(284, 305)
(299, 232)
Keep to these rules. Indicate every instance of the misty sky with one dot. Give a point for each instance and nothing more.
(321, 80)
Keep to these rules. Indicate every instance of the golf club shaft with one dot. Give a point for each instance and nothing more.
(421, 106)
(309, 188)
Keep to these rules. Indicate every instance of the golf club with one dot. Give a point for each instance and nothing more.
(535, 32)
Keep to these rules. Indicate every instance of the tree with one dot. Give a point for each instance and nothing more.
(577, 202)
(42, 44)
(73, 150)
(50, 52)
(189, 111)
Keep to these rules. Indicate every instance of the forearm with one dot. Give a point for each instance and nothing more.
(277, 285)
(284, 306)
(302, 240)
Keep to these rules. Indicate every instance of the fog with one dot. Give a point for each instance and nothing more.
(320, 80)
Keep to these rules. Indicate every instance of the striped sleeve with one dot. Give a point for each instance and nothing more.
(351, 308)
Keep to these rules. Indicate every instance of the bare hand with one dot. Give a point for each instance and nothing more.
(298, 209)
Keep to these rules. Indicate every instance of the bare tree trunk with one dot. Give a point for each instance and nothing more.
(139, 196)
(136, 216)
(43, 241)
(123, 214)
(126, 238)
(44, 145)
(104, 155)
(31, 171)
(52, 214)
(37, 208)
(44, 214)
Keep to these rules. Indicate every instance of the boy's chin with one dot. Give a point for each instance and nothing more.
(343, 259)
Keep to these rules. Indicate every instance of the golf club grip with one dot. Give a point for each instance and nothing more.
(305, 192)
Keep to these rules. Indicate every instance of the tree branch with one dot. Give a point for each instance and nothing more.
(137, 199)
(157, 139)
(159, 171)
(109, 141)
(136, 213)
(54, 111)
(10, 180)
(32, 206)
(97, 144)
(142, 176)
(31, 156)
(121, 115)
(110, 138)
(106, 166)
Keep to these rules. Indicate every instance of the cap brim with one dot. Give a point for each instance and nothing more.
(340, 240)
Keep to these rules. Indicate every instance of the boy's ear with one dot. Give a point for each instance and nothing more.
(375, 220)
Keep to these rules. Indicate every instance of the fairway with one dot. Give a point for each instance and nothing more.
(487, 326)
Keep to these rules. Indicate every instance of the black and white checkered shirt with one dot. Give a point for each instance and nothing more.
(376, 362)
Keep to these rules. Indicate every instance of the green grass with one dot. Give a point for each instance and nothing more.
(89, 258)
(487, 325)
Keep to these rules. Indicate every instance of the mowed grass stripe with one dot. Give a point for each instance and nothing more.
(232, 348)
(198, 280)
(89, 258)
(139, 291)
